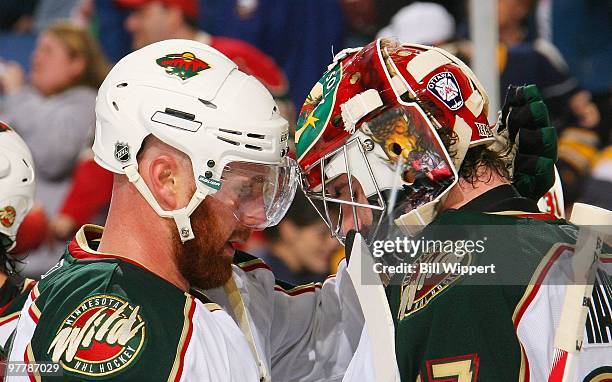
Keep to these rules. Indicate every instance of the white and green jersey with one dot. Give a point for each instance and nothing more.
(101, 316)
(12, 296)
(457, 329)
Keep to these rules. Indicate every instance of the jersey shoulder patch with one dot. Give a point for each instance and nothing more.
(105, 319)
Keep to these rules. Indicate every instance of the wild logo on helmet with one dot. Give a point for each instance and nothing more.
(7, 216)
(183, 65)
(4, 127)
(101, 336)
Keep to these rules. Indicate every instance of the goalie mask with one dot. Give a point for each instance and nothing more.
(16, 185)
(193, 98)
(377, 132)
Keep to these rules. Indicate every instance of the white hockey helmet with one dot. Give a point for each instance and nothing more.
(193, 98)
(16, 183)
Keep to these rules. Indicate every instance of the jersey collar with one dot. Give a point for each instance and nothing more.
(85, 244)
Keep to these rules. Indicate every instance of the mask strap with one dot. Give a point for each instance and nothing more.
(358, 107)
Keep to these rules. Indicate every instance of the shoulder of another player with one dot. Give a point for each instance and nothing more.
(248, 262)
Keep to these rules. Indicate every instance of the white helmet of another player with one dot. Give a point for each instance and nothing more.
(16, 184)
(195, 99)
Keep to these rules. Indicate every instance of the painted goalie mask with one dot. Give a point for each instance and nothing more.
(383, 133)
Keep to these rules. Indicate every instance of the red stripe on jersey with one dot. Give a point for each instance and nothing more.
(5, 307)
(252, 267)
(10, 318)
(536, 286)
(34, 293)
(297, 290)
(527, 372)
(556, 375)
(531, 296)
(79, 253)
(32, 314)
(28, 285)
(187, 339)
(26, 360)
(545, 216)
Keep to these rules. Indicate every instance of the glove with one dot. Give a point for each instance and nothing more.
(526, 141)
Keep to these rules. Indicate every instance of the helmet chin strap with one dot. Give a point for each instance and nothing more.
(180, 216)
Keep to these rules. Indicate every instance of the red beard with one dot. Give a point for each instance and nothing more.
(202, 260)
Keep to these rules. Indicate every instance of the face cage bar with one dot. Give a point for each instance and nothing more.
(325, 198)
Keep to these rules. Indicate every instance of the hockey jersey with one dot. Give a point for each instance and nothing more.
(13, 294)
(103, 316)
(488, 327)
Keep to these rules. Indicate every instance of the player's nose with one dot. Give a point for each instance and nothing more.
(350, 221)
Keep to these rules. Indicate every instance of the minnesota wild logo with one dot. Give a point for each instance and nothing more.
(316, 111)
(102, 336)
(7, 216)
(183, 65)
(4, 127)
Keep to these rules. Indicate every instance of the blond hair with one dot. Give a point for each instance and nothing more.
(80, 43)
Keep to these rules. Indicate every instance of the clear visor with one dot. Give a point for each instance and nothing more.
(259, 195)
(395, 163)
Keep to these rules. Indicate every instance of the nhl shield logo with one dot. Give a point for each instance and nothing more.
(445, 87)
(183, 65)
(122, 152)
(7, 216)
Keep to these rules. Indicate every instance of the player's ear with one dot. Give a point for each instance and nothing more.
(164, 181)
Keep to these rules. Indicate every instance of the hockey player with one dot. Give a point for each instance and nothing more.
(16, 200)
(199, 153)
(397, 134)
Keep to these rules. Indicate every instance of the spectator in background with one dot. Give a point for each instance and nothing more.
(571, 107)
(54, 113)
(520, 62)
(150, 21)
(421, 23)
(301, 248)
(540, 62)
(581, 30)
(598, 187)
(17, 15)
(361, 21)
(296, 34)
(48, 12)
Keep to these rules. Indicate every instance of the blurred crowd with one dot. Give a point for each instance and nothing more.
(55, 53)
